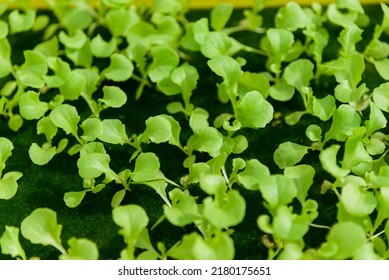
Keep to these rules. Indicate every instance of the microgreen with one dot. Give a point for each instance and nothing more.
(202, 125)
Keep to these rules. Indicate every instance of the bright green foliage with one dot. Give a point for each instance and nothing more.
(254, 111)
(73, 199)
(381, 97)
(194, 247)
(302, 176)
(120, 69)
(226, 67)
(132, 219)
(41, 227)
(299, 73)
(224, 210)
(184, 208)
(34, 68)
(220, 16)
(10, 244)
(41, 155)
(277, 190)
(21, 22)
(31, 107)
(288, 154)
(114, 97)
(8, 181)
(93, 165)
(328, 159)
(113, 131)
(81, 249)
(66, 117)
(344, 241)
(101, 48)
(291, 17)
(253, 174)
(357, 200)
(344, 120)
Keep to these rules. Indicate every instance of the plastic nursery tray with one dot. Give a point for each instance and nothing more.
(199, 4)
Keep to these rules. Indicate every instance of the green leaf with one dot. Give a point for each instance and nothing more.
(206, 139)
(213, 184)
(314, 132)
(291, 17)
(323, 108)
(282, 91)
(348, 38)
(6, 148)
(289, 226)
(114, 132)
(347, 238)
(253, 174)
(186, 77)
(41, 227)
(118, 198)
(382, 68)
(345, 94)
(119, 21)
(47, 127)
(132, 219)
(93, 165)
(280, 42)
(114, 96)
(147, 168)
(33, 69)
(226, 214)
(101, 48)
(329, 162)
(344, 120)
(48, 48)
(3, 29)
(120, 69)
(381, 97)
(220, 15)
(288, 154)
(158, 130)
(66, 117)
(92, 128)
(74, 41)
(302, 175)
(15, 122)
(21, 22)
(254, 111)
(195, 247)
(9, 243)
(357, 200)
(81, 56)
(254, 82)
(165, 60)
(218, 44)
(198, 119)
(5, 58)
(299, 73)
(81, 249)
(41, 156)
(31, 107)
(9, 184)
(195, 33)
(354, 152)
(74, 85)
(184, 208)
(377, 120)
(277, 190)
(61, 70)
(73, 199)
(77, 18)
(226, 67)
(352, 5)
